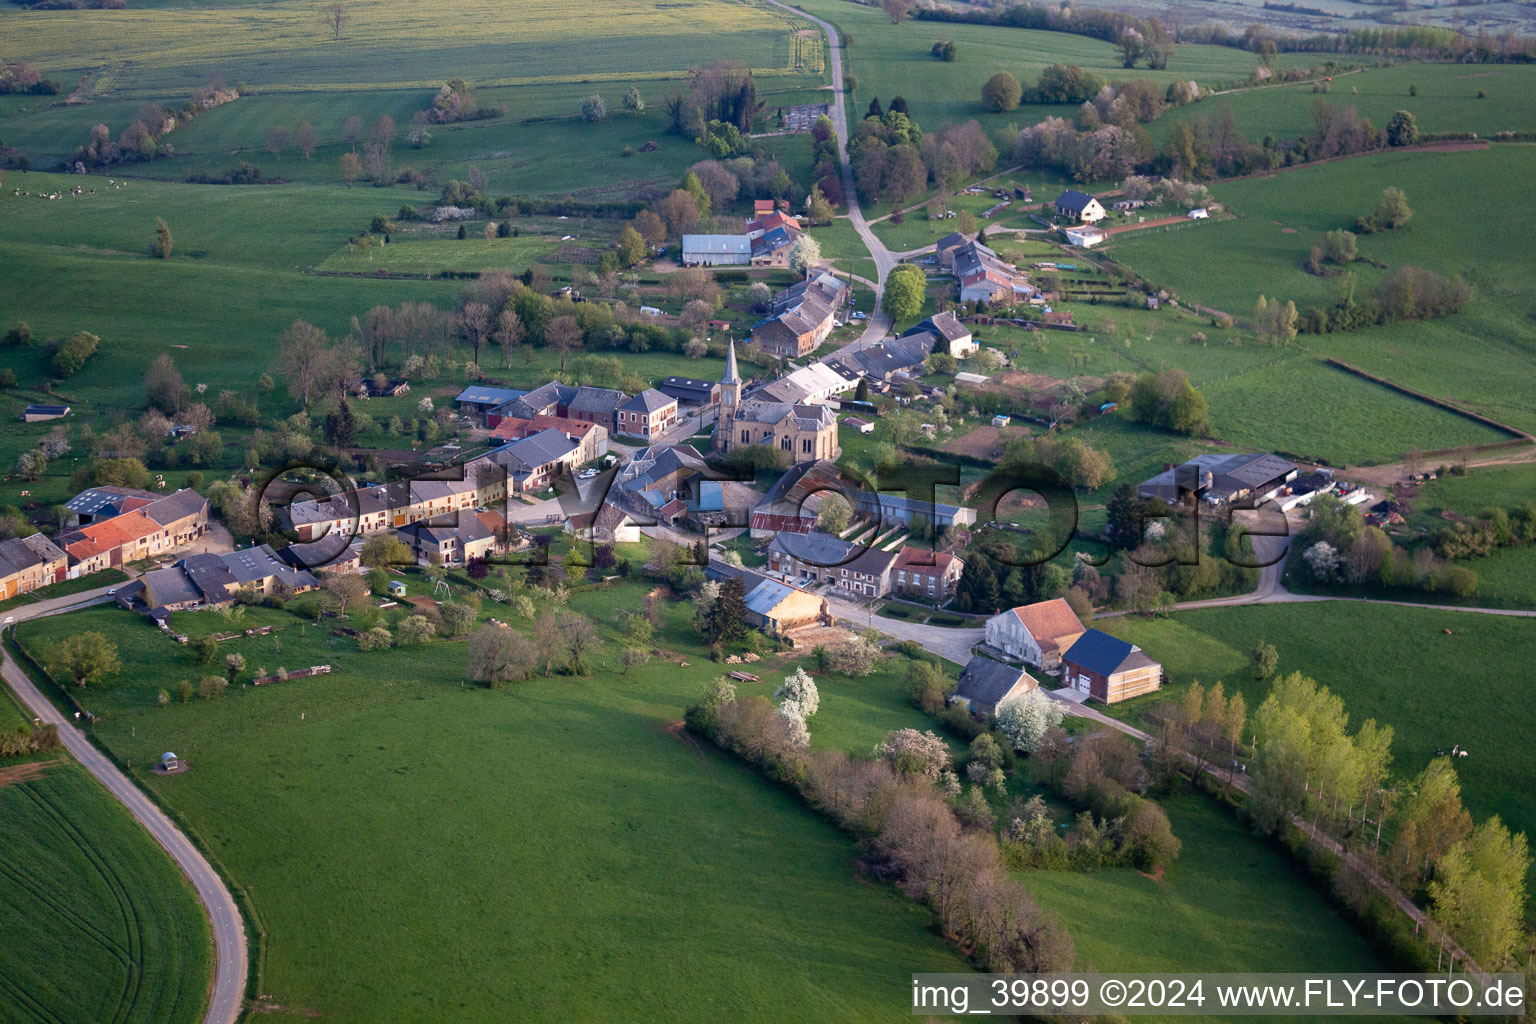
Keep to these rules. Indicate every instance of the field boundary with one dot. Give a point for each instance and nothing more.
(1439, 403)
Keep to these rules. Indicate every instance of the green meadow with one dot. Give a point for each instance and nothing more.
(1438, 678)
(99, 923)
(1506, 577)
(1447, 100)
(890, 60)
(1482, 358)
(1231, 902)
(600, 865)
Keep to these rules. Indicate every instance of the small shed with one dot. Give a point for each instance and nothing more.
(860, 424)
(41, 413)
(169, 762)
(396, 588)
(1199, 213)
(1001, 421)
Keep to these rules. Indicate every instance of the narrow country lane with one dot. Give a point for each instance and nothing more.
(230, 955)
(879, 324)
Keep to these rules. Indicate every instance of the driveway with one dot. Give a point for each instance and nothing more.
(950, 644)
(230, 954)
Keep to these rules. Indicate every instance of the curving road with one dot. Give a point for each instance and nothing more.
(230, 956)
(885, 261)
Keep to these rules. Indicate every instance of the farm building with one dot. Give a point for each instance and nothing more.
(210, 580)
(1080, 206)
(1108, 669)
(691, 392)
(984, 684)
(534, 462)
(42, 413)
(809, 385)
(1199, 213)
(1222, 479)
(717, 250)
(772, 605)
(1035, 633)
(863, 426)
(481, 400)
(1083, 237)
(97, 503)
(592, 438)
(897, 508)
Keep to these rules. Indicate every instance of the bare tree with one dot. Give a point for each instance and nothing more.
(303, 350)
(509, 334)
(334, 17)
(277, 140)
(474, 325)
(304, 137)
(500, 656)
(352, 130)
(564, 334)
(345, 588)
(579, 634)
(548, 640)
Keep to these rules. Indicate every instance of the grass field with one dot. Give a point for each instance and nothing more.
(539, 65)
(1507, 576)
(1479, 358)
(890, 60)
(1468, 686)
(557, 829)
(99, 923)
(1230, 902)
(1446, 101)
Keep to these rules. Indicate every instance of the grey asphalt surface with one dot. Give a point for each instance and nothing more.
(230, 959)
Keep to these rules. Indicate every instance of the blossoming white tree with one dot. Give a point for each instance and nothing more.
(1024, 719)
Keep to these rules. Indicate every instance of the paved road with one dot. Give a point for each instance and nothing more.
(950, 644)
(879, 324)
(230, 955)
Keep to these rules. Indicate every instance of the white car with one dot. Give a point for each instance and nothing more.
(838, 323)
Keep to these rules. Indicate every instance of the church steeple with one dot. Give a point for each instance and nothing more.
(730, 384)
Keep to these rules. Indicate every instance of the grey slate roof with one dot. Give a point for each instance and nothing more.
(596, 401)
(648, 401)
(988, 681)
(1073, 200)
(535, 450)
(183, 503)
(18, 554)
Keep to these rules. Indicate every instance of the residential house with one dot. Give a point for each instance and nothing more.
(27, 563)
(1080, 206)
(1222, 479)
(456, 541)
(1035, 633)
(1108, 669)
(983, 276)
(213, 580)
(716, 250)
(800, 317)
(537, 461)
(925, 574)
(984, 684)
(592, 438)
(610, 524)
(950, 335)
(151, 529)
(649, 414)
(946, 248)
(854, 568)
(898, 357)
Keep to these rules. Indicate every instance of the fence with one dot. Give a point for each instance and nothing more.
(298, 673)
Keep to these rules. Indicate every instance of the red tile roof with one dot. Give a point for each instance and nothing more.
(1049, 620)
(113, 533)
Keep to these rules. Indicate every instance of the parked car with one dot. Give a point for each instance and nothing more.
(861, 315)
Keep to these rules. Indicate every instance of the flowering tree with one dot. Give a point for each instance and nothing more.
(914, 753)
(854, 656)
(1024, 719)
(1323, 560)
(798, 695)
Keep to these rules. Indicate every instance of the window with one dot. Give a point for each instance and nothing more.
(787, 443)
(746, 437)
(805, 445)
